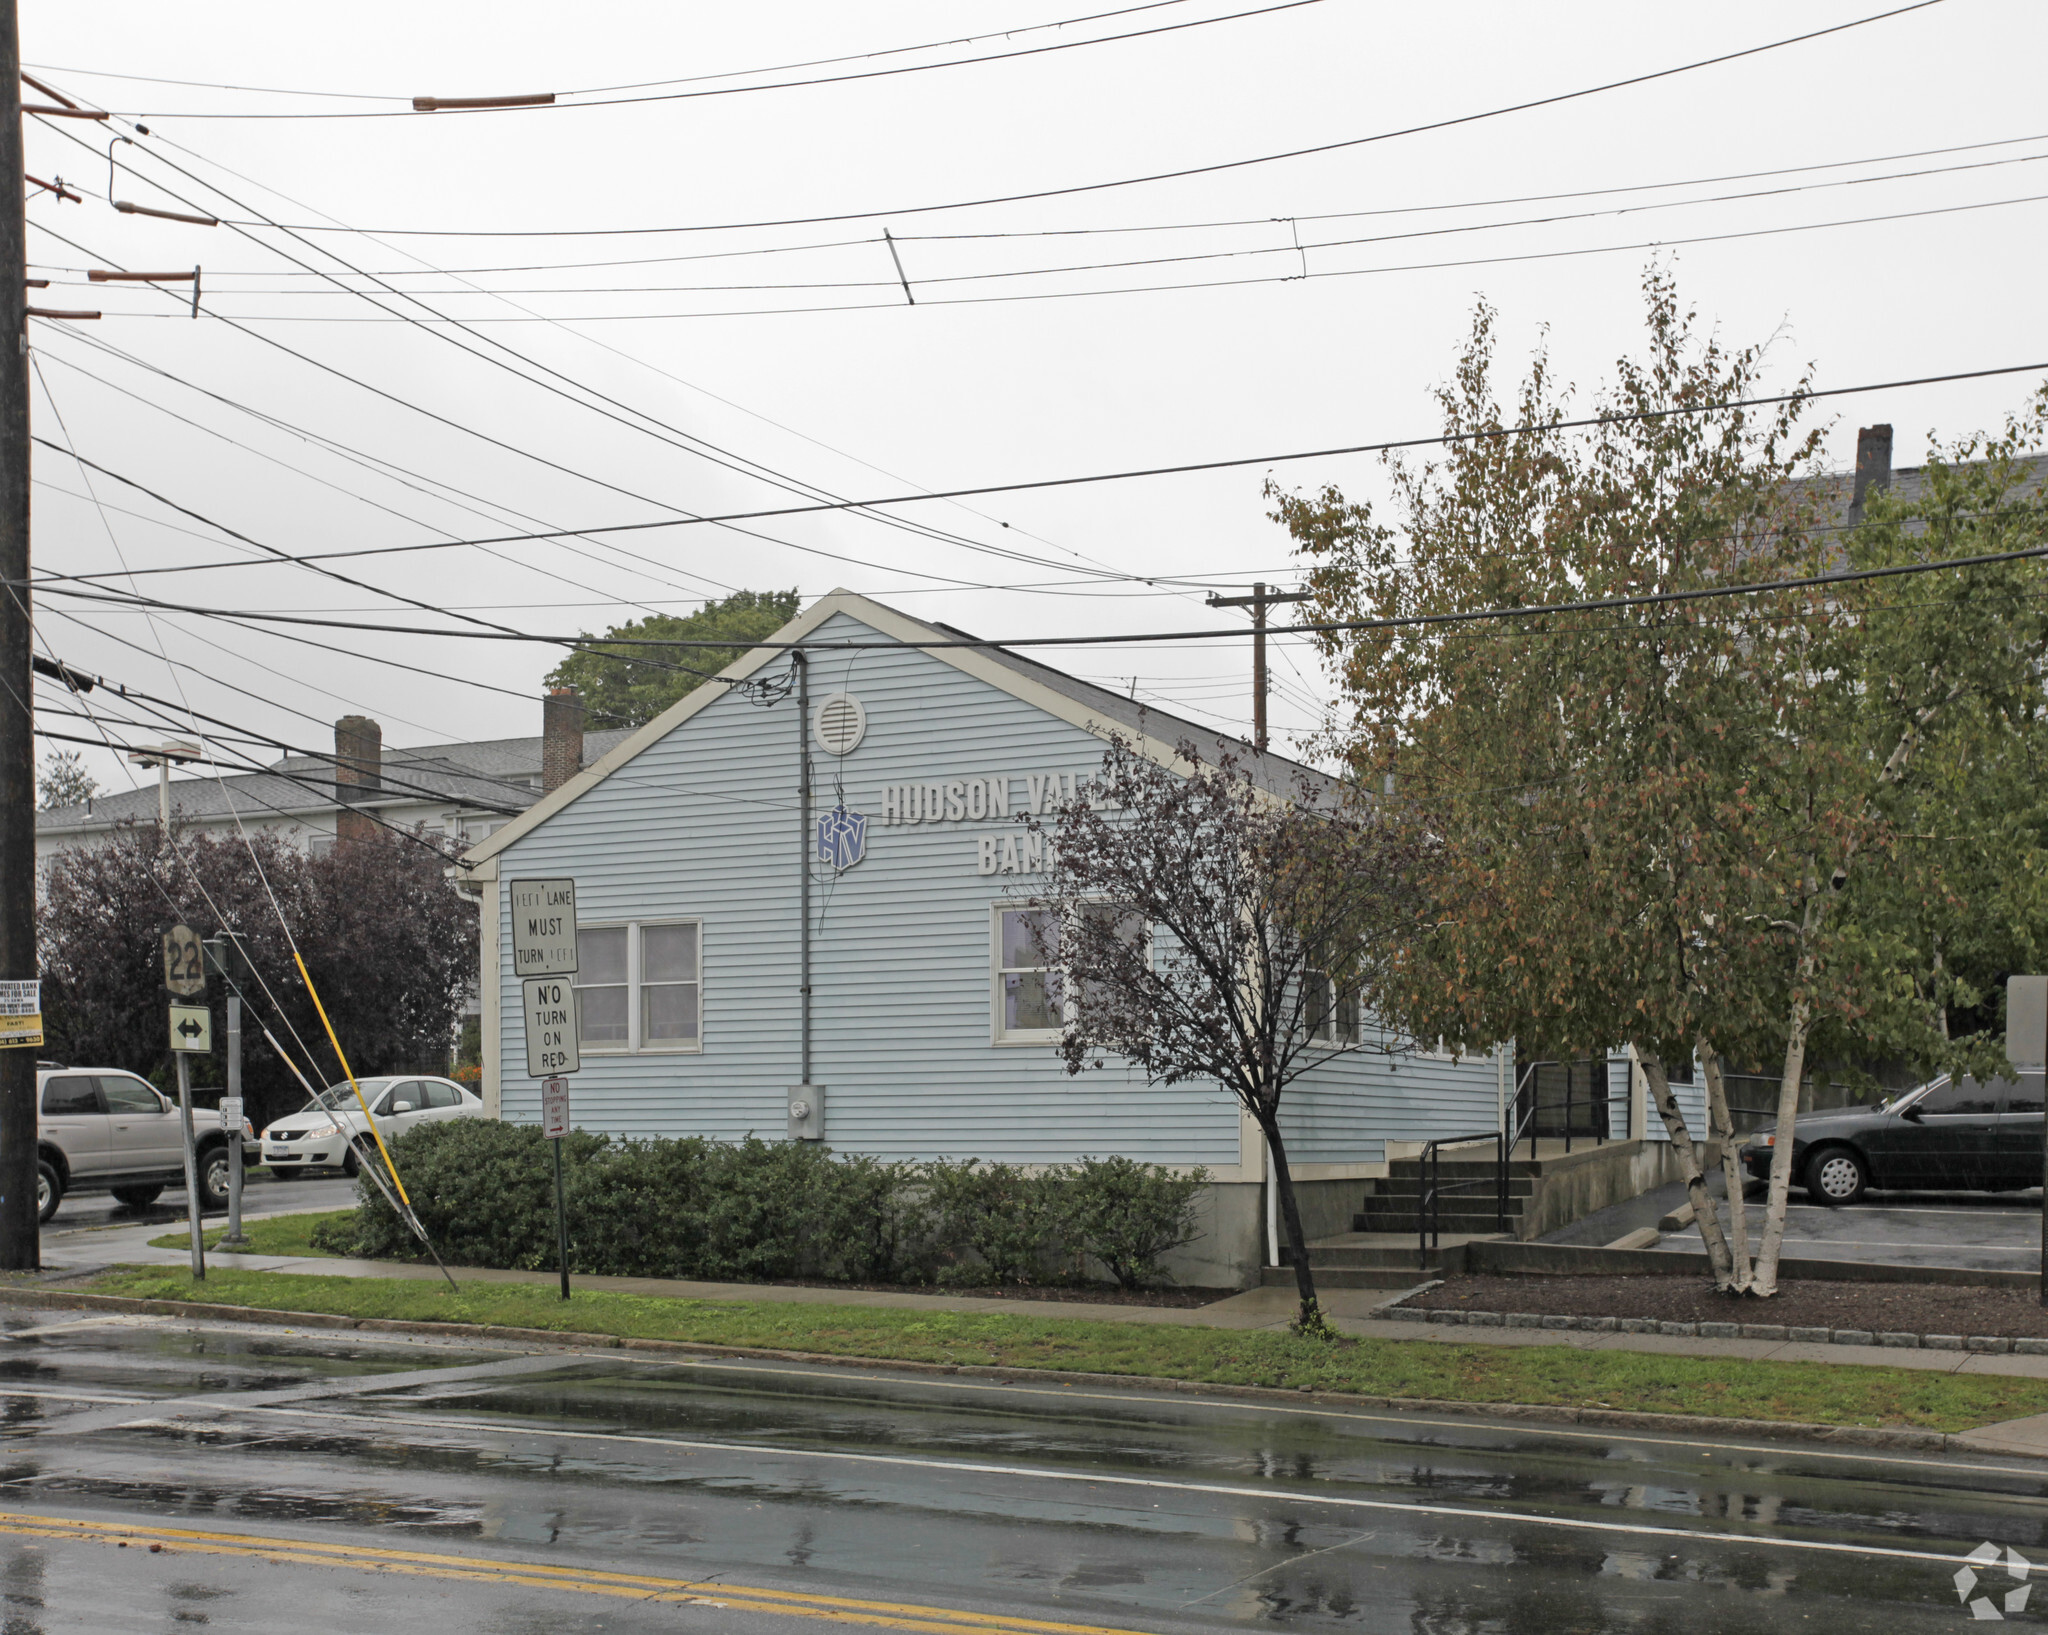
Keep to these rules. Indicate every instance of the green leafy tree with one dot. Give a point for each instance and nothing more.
(391, 945)
(625, 686)
(62, 780)
(1674, 825)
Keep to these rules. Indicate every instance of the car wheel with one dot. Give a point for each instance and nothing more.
(213, 1178)
(350, 1166)
(49, 1189)
(137, 1197)
(1835, 1176)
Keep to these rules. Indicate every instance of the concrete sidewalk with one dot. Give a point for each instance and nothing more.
(1350, 1310)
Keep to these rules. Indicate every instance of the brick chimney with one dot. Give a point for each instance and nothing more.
(1873, 467)
(561, 738)
(358, 772)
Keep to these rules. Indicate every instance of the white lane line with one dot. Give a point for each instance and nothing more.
(1143, 1483)
(1534, 1428)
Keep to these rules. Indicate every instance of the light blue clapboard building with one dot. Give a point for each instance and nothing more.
(704, 892)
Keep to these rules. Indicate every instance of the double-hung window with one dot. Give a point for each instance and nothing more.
(1027, 986)
(1031, 1003)
(640, 987)
(1332, 1015)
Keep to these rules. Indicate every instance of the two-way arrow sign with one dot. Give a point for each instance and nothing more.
(192, 1029)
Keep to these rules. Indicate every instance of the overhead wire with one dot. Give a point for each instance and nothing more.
(1215, 168)
(638, 85)
(1272, 218)
(556, 99)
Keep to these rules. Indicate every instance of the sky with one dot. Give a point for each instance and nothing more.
(393, 347)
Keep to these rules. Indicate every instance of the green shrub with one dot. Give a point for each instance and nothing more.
(756, 1211)
(1128, 1215)
(1011, 1220)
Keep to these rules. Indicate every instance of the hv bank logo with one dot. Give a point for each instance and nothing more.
(842, 837)
(1980, 1561)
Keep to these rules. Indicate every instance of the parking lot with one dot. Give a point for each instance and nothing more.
(1983, 1231)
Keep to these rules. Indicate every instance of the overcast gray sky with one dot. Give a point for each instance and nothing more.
(794, 347)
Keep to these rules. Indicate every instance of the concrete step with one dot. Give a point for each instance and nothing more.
(1398, 1254)
(1465, 1222)
(1469, 1185)
(1357, 1277)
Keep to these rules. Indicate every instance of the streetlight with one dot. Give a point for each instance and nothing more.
(163, 757)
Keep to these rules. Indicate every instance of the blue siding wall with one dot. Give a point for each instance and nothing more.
(704, 824)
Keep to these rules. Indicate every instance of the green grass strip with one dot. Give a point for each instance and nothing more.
(1642, 1382)
(280, 1235)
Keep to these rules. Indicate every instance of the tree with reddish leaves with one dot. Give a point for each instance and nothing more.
(1203, 925)
(389, 942)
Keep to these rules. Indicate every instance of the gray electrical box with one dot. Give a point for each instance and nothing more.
(807, 1112)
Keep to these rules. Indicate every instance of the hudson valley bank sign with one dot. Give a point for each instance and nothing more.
(985, 800)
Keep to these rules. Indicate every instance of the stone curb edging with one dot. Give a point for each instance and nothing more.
(1865, 1436)
(1996, 1344)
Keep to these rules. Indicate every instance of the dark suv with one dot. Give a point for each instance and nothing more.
(101, 1130)
(1950, 1134)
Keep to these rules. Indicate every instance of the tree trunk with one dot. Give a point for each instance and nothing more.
(1723, 1128)
(1766, 1280)
(1689, 1160)
(1310, 1316)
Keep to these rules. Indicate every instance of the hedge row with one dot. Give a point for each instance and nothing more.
(753, 1210)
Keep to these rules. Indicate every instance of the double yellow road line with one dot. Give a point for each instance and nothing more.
(535, 1575)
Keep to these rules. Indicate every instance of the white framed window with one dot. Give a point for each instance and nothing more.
(1029, 1005)
(1332, 1016)
(640, 986)
(1026, 998)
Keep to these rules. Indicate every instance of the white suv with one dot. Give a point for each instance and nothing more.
(99, 1129)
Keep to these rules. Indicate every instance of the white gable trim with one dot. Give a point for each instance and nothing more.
(885, 621)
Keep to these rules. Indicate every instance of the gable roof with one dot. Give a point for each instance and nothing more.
(1156, 733)
(496, 774)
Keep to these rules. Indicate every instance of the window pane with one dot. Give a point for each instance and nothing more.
(1316, 1002)
(668, 1013)
(668, 953)
(71, 1095)
(126, 1095)
(1030, 1001)
(601, 955)
(1019, 948)
(1961, 1096)
(1347, 1018)
(601, 1015)
(443, 1095)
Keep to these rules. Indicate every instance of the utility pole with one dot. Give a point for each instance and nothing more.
(20, 1248)
(1260, 599)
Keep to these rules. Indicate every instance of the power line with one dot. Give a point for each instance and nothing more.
(1169, 175)
(1167, 289)
(1414, 621)
(932, 280)
(1238, 462)
(555, 99)
(1272, 218)
(641, 85)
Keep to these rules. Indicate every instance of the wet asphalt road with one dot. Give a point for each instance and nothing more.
(308, 1482)
(261, 1194)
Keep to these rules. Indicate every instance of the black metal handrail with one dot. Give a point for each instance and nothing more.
(1527, 1081)
(1430, 1190)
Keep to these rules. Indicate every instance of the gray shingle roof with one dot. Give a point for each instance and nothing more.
(501, 774)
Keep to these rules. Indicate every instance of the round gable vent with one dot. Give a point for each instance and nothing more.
(841, 723)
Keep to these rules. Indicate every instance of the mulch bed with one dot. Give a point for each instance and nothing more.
(1092, 1294)
(1908, 1308)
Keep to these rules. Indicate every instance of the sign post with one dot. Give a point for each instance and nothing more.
(545, 959)
(220, 952)
(554, 1123)
(191, 1029)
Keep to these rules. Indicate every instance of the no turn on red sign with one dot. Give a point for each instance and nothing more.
(552, 1042)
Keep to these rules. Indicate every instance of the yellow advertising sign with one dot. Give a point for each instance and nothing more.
(21, 1015)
